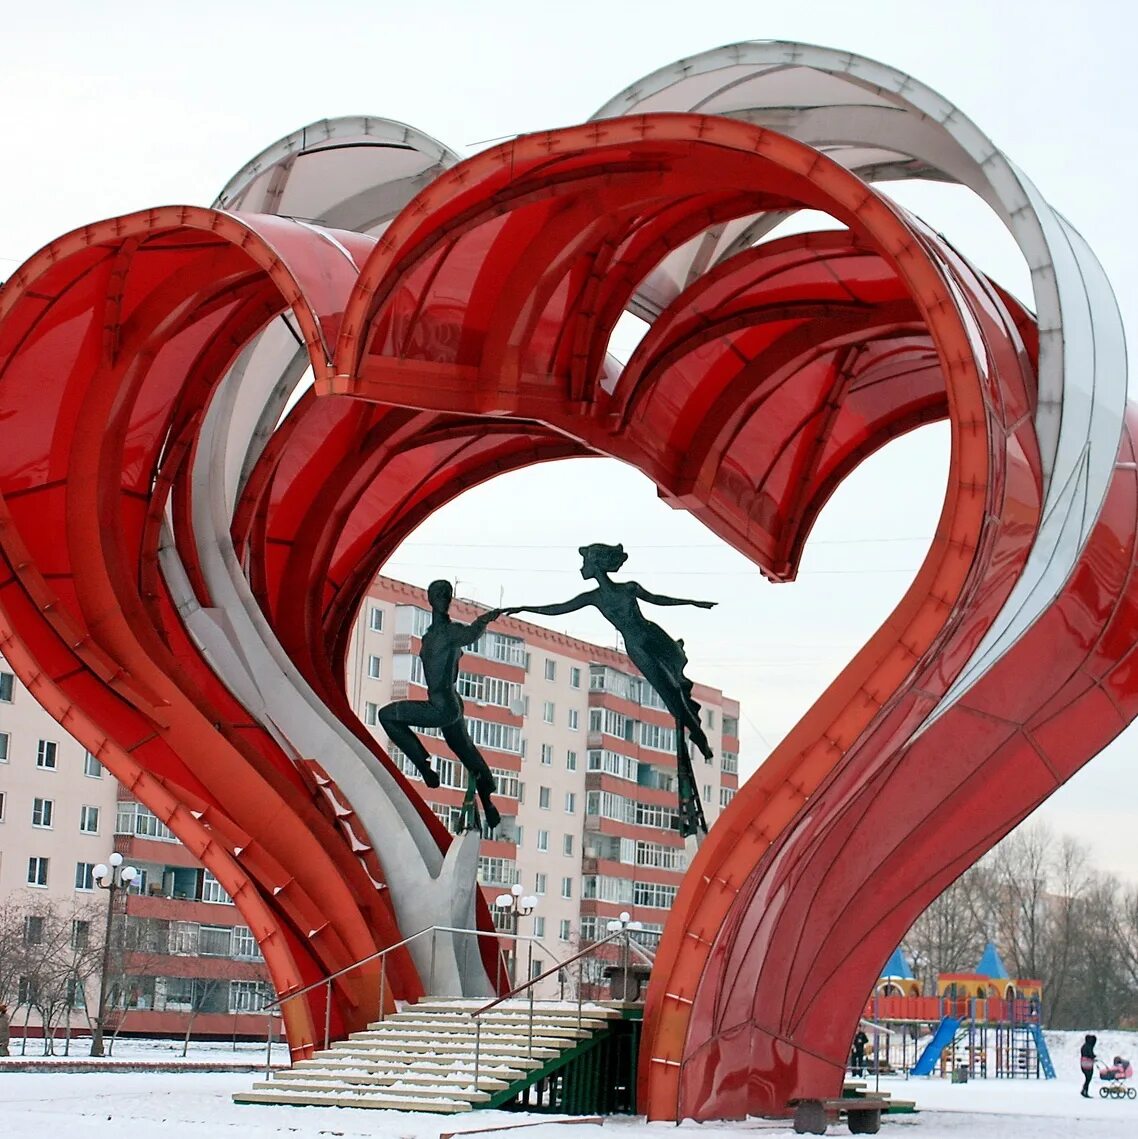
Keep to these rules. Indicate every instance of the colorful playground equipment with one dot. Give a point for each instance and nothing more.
(984, 1024)
(186, 535)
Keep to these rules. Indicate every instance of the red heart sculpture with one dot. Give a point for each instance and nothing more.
(141, 497)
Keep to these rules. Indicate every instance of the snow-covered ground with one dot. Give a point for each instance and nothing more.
(197, 1105)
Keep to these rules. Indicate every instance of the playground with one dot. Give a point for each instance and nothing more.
(980, 1024)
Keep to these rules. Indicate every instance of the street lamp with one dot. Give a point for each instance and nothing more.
(623, 923)
(513, 903)
(111, 876)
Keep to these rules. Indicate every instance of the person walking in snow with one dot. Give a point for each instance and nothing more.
(1087, 1063)
(5, 1029)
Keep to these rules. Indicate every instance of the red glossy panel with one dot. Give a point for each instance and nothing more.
(477, 329)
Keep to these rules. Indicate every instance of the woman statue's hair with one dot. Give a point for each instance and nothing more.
(603, 557)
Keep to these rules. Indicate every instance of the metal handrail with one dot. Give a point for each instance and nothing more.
(623, 935)
(549, 972)
(381, 955)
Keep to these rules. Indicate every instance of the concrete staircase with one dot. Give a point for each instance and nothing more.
(423, 1058)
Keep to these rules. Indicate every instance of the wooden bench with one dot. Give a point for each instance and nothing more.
(863, 1114)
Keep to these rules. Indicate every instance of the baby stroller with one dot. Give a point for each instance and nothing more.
(1115, 1077)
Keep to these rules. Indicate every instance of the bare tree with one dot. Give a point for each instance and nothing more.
(949, 936)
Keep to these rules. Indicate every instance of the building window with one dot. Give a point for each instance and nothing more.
(536, 967)
(371, 714)
(92, 768)
(543, 794)
(46, 754)
(570, 761)
(5, 739)
(707, 792)
(37, 871)
(539, 927)
(496, 871)
(183, 940)
(3, 798)
(543, 840)
(27, 992)
(729, 762)
(550, 669)
(375, 619)
(574, 719)
(84, 875)
(7, 686)
(80, 934)
(567, 887)
(548, 711)
(375, 667)
(567, 845)
(89, 820)
(547, 755)
(731, 726)
(574, 678)
(563, 930)
(213, 891)
(248, 996)
(42, 810)
(33, 930)
(710, 718)
(539, 884)
(726, 794)
(653, 894)
(215, 941)
(570, 802)
(244, 943)
(134, 818)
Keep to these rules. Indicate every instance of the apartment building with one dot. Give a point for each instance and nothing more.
(182, 951)
(583, 751)
(584, 757)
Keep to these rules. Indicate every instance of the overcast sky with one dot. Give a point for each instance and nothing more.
(111, 107)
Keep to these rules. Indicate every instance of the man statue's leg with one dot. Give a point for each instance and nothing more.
(396, 720)
(471, 758)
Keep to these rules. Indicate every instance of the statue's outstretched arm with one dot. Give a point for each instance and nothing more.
(468, 634)
(661, 599)
(578, 602)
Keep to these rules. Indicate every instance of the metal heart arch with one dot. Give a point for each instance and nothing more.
(184, 554)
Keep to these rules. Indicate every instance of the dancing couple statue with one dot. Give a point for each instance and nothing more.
(659, 658)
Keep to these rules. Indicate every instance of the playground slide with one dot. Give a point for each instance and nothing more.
(943, 1036)
(1044, 1055)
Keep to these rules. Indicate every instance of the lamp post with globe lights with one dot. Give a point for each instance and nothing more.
(519, 907)
(113, 877)
(624, 925)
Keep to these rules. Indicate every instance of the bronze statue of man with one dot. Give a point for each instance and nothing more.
(440, 652)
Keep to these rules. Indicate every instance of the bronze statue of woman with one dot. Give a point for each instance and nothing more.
(660, 659)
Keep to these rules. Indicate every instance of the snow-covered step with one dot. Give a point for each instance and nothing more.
(513, 1027)
(404, 1087)
(553, 1010)
(384, 1079)
(433, 1041)
(345, 1097)
(373, 1060)
(437, 1047)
